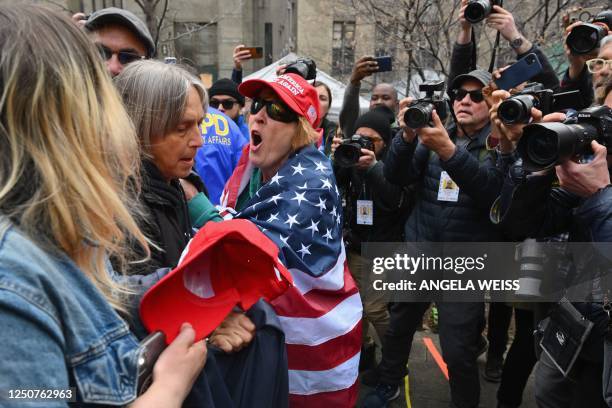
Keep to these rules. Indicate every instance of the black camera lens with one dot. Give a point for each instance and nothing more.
(347, 155)
(477, 10)
(544, 145)
(306, 68)
(585, 38)
(418, 115)
(516, 109)
(542, 149)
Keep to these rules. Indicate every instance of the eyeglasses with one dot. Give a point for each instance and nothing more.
(124, 57)
(475, 95)
(276, 110)
(597, 64)
(227, 104)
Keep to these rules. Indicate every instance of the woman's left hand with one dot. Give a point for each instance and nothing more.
(234, 333)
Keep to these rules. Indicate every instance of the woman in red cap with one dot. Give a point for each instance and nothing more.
(286, 186)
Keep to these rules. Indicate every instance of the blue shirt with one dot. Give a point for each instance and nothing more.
(58, 330)
(220, 152)
(244, 127)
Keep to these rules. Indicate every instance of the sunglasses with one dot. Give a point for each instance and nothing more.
(276, 110)
(475, 96)
(227, 104)
(124, 57)
(597, 64)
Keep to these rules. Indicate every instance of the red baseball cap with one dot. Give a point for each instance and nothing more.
(292, 89)
(226, 264)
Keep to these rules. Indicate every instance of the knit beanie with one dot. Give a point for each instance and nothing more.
(226, 87)
(377, 121)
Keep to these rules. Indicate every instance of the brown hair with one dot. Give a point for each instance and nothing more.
(305, 134)
(69, 155)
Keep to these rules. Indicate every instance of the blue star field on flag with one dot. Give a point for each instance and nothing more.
(299, 209)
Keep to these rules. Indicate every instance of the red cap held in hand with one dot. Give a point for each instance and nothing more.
(226, 264)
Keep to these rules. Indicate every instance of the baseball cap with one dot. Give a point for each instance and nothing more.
(226, 264)
(293, 90)
(479, 75)
(114, 15)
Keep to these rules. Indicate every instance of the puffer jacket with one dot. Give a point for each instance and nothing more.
(472, 168)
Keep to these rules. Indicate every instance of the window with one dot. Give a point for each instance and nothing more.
(343, 47)
(196, 45)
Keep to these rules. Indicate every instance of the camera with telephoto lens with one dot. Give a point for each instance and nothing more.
(478, 10)
(304, 67)
(531, 257)
(517, 108)
(349, 151)
(419, 113)
(545, 145)
(585, 38)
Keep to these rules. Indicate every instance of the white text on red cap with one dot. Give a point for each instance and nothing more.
(289, 83)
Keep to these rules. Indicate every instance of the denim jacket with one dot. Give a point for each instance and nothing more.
(57, 330)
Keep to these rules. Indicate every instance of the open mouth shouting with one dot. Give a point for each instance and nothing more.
(255, 140)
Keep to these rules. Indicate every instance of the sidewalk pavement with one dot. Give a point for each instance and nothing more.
(429, 388)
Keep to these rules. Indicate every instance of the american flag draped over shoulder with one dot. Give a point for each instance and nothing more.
(299, 209)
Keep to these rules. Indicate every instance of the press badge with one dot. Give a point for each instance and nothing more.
(365, 212)
(448, 189)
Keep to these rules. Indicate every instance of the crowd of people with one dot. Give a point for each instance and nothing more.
(114, 165)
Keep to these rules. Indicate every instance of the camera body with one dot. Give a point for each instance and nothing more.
(545, 145)
(517, 108)
(478, 10)
(304, 67)
(419, 113)
(349, 151)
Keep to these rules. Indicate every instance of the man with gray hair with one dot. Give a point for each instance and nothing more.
(601, 69)
(120, 36)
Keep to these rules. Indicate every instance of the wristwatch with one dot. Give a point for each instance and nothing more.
(516, 43)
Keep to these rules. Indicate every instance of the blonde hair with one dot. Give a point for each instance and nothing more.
(68, 152)
(155, 95)
(305, 134)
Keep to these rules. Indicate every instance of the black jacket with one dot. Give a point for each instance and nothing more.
(582, 83)
(329, 131)
(473, 169)
(391, 205)
(462, 63)
(532, 207)
(167, 221)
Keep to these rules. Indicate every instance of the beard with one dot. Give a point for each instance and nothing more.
(602, 91)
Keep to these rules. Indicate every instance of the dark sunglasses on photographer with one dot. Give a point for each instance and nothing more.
(276, 110)
(476, 95)
(124, 57)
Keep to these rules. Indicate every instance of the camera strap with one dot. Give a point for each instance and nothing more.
(495, 46)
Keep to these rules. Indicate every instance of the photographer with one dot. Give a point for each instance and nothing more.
(373, 208)
(578, 76)
(437, 156)
(464, 54)
(532, 206)
(383, 94)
